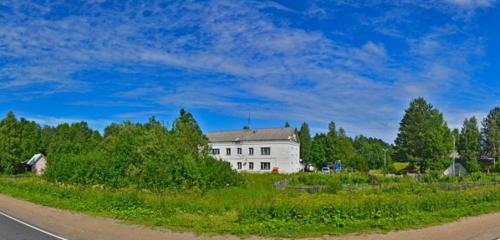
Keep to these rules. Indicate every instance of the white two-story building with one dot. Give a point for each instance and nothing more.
(258, 150)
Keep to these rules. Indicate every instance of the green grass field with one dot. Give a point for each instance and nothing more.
(349, 204)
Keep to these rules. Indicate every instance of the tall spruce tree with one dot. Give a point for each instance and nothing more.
(491, 134)
(319, 150)
(424, 138)
(332, 152)
(305, 143)
(469, 145)
(338, 145)
(10, 144)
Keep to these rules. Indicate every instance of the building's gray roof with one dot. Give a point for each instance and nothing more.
(262, 134)
(35, 159)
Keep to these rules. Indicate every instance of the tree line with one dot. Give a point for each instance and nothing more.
(361, 153)
(153, 156)
(424, 141)
(148, 155)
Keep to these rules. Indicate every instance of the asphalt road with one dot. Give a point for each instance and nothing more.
(15, 229)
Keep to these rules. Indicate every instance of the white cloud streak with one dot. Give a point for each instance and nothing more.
(233, 56)
(472, 4)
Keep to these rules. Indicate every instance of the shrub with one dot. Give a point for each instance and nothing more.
(146, 156)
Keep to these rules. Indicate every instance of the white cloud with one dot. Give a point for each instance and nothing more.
(98, 124)
(234, 56)
(471, 4)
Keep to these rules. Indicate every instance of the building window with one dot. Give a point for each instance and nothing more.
(239, 151)
(239, 165)
(265, 166)
(250, 165)
(228, 151)
(250, 151)
(215, 151)
(265, 151)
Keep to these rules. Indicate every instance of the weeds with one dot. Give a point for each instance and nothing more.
(257, 208)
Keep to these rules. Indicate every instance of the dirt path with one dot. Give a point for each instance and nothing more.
(80, 226)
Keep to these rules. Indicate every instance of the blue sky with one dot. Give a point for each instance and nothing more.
(358, 63)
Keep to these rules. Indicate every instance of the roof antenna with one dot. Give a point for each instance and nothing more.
(248, 123)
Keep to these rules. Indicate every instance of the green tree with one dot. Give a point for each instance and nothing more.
(10, 144)
(69, 140)
(469, 145)
(339, 146)
(491, 134)
(31, 138)
(331, 151)
(344, 150)
(318, 150)
(287, 124)
(305, 143)
(47, 135)
(146, 156)
(424, 138)
(373, 151)
(188, 139)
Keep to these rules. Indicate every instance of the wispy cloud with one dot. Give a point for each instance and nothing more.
(236, 57)
(98, 124)
(471, 4)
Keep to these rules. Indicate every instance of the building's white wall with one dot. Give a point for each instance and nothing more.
(39, 166)
(284, 154)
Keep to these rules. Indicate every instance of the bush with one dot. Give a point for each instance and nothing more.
(169, 172)
(146, 156)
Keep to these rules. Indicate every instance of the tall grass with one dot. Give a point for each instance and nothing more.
(256, 208)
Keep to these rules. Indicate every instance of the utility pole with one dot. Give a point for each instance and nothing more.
(385, 158)
(453, 155)
(248, 120)
(495, 146)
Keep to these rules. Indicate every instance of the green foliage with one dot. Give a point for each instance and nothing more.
(491, 134)
(331, 147)
(31, 136)
(469, 145)
(305, 143)
(146, 156)
(424, 138)
(10, 144)
(373, 151)
(187, 136)
(19, 141)
(256, 208)
(329, 179)
(318, 150)
(68, 145)
(362, 153)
